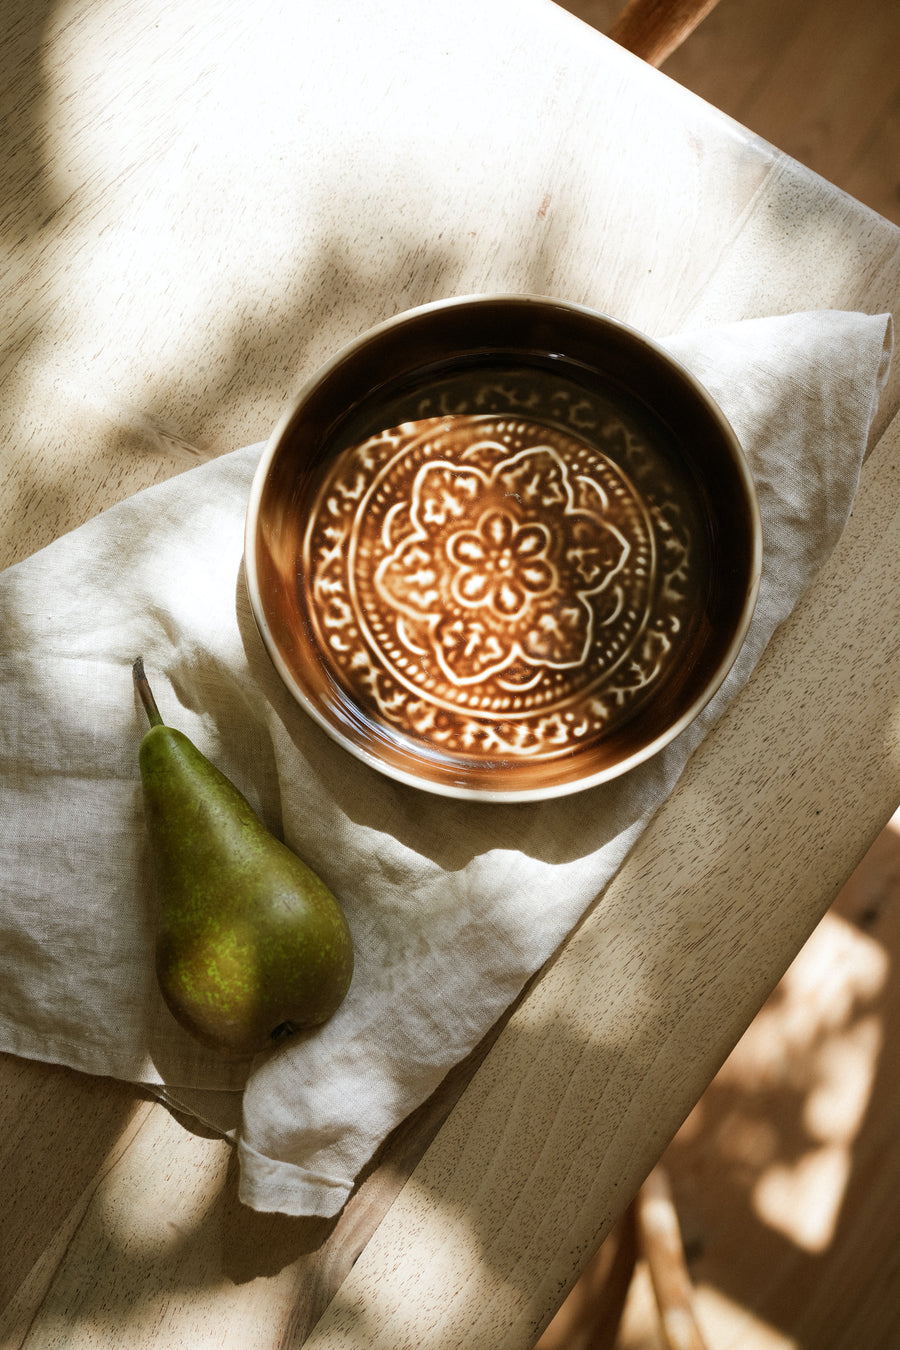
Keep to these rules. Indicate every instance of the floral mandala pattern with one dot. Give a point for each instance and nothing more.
(495, 579)
(486, 585)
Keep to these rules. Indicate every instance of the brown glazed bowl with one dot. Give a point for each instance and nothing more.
(503, 548)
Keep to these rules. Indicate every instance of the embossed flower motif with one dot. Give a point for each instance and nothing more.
(500, 564)
(492, 570)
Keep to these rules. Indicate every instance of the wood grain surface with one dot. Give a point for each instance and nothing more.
(199, 205)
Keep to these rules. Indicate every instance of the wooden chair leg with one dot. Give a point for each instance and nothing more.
(591, 1315)
(659, 1243)
(652, 29)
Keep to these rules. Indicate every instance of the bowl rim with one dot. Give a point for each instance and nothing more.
(457, 791)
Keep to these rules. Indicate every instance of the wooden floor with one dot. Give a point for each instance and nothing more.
(818, 78)
(787, 1174)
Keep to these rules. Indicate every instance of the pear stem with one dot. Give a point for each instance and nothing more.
(143, 687)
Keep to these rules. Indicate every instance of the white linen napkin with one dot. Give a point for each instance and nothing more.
(452, 905)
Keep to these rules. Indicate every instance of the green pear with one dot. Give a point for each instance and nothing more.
(251, 944)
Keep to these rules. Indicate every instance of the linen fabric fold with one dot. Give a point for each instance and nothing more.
(446, 900)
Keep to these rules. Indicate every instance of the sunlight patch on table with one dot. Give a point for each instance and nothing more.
(415, 1304)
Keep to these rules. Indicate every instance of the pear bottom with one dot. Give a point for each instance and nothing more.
(241, 985)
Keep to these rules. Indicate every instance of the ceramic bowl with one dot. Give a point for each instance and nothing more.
(503, 548)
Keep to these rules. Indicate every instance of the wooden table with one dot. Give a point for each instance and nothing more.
(200, 203)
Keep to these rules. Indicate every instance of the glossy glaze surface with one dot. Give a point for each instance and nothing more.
(504, 547)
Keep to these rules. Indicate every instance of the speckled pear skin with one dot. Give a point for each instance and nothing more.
(251, 944)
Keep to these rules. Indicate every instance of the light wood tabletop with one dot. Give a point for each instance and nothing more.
(200, 204)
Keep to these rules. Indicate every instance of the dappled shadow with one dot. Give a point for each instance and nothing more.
(216, 384)
(714, 1170)
(58, 1127)
(161, 1258)
(22, 150)
(785, 1174)
(230, 346)
(220, 383)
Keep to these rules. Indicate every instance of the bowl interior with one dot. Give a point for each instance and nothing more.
(503, 548)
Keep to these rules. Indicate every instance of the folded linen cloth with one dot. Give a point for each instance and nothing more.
(447, 901)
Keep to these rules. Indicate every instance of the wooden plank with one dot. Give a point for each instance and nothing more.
(60, 1130)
